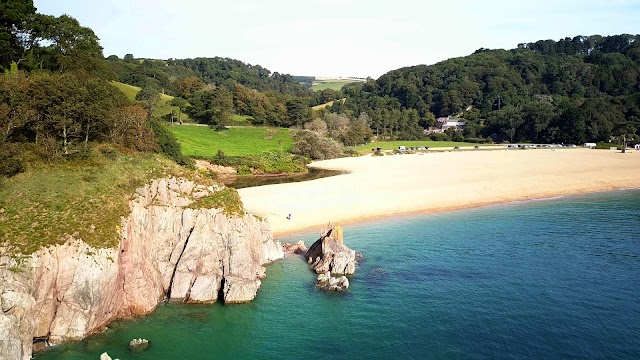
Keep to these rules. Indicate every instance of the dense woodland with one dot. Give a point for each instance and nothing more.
(573, 90)
(56, 97)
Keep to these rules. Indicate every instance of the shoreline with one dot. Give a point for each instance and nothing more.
(381, 187)
(360, 220)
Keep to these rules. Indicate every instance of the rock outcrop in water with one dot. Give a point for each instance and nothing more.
(329, 256)
(166, 250)
(298, 248)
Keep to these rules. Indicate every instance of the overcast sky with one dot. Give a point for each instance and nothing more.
(337, 37)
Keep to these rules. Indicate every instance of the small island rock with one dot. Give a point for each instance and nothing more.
(139, 345)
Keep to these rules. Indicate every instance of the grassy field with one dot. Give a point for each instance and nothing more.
(322, 106)
(391, 145)
(202, 141)
(40, 206)
(335, 84)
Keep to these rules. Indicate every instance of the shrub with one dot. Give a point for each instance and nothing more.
(606, 145)
(11, 166)
(439, 137)
(168, 143)
(311, 144)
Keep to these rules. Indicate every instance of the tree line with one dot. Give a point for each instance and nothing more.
(573, 90)
(56, 99)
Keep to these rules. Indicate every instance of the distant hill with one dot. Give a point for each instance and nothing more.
(168, 74)
(571, 90)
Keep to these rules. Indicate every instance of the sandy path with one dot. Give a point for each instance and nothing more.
(379, 186)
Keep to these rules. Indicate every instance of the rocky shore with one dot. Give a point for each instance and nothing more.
(331, 259)
(166, 251)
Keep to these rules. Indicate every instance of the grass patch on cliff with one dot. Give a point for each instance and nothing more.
(204, 142)
(227, 200)
(85, 198)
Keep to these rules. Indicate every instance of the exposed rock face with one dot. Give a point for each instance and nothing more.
(326, 281)
(329, 254)
(71, 290)
(298, 248)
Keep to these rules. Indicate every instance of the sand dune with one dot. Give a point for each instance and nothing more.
(381, 186)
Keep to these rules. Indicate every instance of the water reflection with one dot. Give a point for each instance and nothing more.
(243, 181)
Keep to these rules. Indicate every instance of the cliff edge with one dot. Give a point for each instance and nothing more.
(167, 250)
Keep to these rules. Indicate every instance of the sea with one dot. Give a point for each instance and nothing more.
(548, 279)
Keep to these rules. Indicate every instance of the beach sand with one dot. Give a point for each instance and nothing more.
(433, 182)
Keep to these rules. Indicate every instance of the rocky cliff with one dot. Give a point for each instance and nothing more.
(332, 260)
(166, 250)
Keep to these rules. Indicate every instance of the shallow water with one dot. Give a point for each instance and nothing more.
(550, 279)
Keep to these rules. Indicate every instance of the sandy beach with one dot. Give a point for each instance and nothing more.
(389, 185)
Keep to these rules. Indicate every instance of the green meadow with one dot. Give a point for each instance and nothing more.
(335, 84)
(203, 141)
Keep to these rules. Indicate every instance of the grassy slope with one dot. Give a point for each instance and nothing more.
(52, 200)
(335, 84)
(322, 106)
(202, 141)
(391, 145)
(162, 109)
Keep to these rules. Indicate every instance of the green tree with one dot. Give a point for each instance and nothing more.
(15, 16)
(626, 131)
(212, 107)
(71, 46)
(149, 97)
(181, 104)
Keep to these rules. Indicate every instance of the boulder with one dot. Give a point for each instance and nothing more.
(138, 345)
(328, 282)
(298, 248)
(330, 254)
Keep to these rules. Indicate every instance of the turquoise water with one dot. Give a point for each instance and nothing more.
(551, 279)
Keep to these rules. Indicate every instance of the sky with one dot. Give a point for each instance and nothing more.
(329, 38)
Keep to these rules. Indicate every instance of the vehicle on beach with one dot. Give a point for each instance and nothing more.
(590, 145)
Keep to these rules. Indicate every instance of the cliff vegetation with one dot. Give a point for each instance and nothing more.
(83, 197)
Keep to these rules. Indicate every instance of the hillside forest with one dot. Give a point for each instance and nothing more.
(57, 96)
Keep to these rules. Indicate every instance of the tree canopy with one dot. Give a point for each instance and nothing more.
(572, 90)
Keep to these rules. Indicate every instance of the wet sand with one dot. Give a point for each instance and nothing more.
(434, 182)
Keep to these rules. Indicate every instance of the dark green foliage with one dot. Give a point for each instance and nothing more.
(168, 143)
(573, 90)
(440, 137)
(11, 166)
(227, 72)
(211, 107)
(297, 111)
(14, 21)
